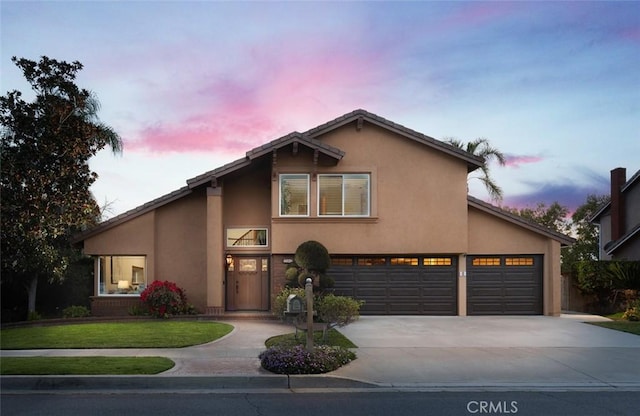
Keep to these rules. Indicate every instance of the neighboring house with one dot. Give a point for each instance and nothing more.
(390, 204)
(619, 219)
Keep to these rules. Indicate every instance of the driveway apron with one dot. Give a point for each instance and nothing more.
(501, 351)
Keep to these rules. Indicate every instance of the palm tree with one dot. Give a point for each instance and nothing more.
(481, 147)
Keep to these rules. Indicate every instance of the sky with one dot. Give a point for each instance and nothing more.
(193, 85)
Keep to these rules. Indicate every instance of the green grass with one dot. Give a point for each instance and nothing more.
(619, 324)
(334, 339)
(144, 334)
(83, 365)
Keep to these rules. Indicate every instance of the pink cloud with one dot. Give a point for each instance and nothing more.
(631, 34)
(515, 161)
(271, 94)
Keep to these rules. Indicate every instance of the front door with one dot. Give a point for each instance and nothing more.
(248, 284)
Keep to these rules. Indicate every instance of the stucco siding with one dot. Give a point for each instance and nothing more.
(134, 237)
(418, 197)
(181, 246)
(247, 199)
(489, 234)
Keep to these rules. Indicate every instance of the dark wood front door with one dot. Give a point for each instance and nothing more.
(248, 284)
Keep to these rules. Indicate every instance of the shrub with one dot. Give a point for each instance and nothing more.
(633, 312)
(76, 311)
(280, 300)
(311, 260)
(33, 316)
(338, 310)
(297, 360)
(165, 299)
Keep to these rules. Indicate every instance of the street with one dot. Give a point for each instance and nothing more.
(370, 403)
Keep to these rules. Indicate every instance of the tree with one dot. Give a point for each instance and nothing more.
(481, 147)
(311, 260)
(586, 246)
(553, 216)
(46, 145)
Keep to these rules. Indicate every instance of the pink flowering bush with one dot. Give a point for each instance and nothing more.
(165, 299)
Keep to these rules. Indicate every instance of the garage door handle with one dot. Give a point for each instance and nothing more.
(236, 287)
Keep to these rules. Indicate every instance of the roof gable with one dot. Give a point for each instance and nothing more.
(360, 116)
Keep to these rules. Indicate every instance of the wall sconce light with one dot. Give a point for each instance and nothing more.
(229, 260)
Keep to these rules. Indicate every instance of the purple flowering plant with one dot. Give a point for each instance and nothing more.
(297, 360)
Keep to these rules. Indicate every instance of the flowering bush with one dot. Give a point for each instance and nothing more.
(165, 299)
(633, 312)
(297, 360)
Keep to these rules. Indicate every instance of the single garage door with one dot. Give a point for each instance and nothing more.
(408, 285)
(504, 285)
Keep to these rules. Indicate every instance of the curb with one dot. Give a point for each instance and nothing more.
(14, 384)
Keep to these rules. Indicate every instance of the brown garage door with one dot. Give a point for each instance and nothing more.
(504, 285)
(407, 285)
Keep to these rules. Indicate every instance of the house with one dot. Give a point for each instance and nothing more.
(389, 203)
(619, 219)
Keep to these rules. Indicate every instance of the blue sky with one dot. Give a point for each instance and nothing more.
(194, 85)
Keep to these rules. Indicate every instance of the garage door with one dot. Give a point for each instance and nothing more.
(504, 285)
(408, 285)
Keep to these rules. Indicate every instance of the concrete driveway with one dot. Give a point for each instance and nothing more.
(491, 351)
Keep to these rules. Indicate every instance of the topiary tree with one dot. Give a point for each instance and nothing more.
(311, 260)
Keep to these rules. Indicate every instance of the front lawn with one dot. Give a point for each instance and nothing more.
(625, 326)
(83, 365)
(334, 339)
(142, 334)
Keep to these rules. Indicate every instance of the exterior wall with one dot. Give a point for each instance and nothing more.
(604, 235)
(418, 197)
(630, 250)
(180, 246)
(491, 235)
(632, 202)
(135, 237)
(173, 237)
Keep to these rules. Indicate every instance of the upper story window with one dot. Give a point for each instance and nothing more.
(294, 195)
(343, 195)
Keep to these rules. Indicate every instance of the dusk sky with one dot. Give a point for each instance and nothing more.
(191, 85)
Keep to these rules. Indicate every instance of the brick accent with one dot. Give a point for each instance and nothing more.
(113, 305)
(618, 179)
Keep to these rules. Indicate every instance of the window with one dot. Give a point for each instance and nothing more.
(343, 195)
(404, 261)
(372, 261)
(247, 237)
(294, 195)
(122, 275)
(436, 261)
(519, 261)
(486, 261)
(341, 261)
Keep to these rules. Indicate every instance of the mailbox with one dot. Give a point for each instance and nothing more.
(295, 305)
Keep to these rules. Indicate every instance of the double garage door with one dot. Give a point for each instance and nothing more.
(410, 285)
(427, 285)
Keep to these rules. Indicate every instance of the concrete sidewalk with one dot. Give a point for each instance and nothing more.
(410, 352)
